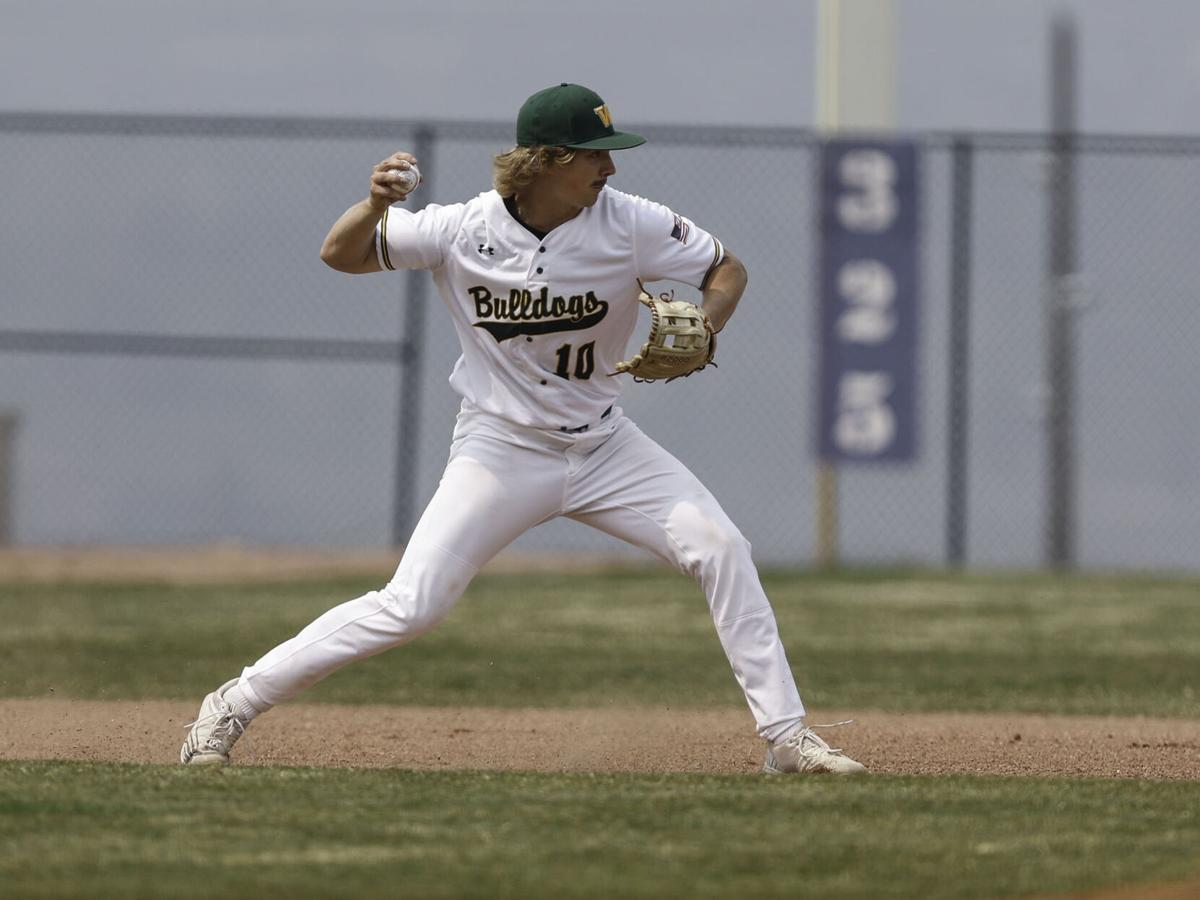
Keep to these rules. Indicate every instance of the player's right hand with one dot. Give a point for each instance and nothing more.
(386, 186)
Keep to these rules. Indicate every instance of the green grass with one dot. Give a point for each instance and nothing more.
(887, 640)
(883, 640)
(74, 830)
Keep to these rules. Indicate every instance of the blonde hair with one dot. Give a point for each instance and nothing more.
(517, 168)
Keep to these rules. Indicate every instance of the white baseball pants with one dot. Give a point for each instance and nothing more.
(500, 481)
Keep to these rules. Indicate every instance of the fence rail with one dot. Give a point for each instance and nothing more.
(215, 347)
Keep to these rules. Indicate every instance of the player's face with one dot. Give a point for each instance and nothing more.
(580, 181)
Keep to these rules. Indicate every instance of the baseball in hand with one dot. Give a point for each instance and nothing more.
(409, 178)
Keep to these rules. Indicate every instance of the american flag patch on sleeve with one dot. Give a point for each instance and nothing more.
(680, 231)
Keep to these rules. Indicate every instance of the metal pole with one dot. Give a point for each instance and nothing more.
(957, 436)
(8, 428)
(416, 286)
(828, 109)
(855, 89)
(1060, 343)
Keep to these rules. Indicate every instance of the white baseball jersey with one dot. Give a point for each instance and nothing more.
(543, 322)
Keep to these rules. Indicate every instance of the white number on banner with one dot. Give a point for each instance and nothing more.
(865, 424)
(869, 290)
(870, 204)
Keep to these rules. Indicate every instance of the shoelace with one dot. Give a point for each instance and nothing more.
(807, 735)
(225, 724)
(227, 721)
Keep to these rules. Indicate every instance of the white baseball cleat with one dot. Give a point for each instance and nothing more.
(214, 732)
(804, 753)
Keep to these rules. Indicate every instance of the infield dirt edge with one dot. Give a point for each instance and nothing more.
(617, 739)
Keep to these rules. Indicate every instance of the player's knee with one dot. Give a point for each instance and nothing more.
(729, 546)
(423, 591)
(412, 613)
(707, 538)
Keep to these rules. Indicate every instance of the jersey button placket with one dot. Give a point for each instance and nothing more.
(533, 286)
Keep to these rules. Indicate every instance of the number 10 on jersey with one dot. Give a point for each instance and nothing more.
(868, 301)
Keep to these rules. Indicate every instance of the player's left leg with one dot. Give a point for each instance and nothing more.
(631, 488)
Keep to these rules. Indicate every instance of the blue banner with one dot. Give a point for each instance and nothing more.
(868, 301)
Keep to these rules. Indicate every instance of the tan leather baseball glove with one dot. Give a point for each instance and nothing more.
(681, 341)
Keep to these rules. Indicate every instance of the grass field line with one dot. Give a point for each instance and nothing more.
(609, 739)
(227, 562)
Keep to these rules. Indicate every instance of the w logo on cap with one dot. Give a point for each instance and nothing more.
(562, 116)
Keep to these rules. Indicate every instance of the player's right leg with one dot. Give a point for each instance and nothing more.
(490, 493)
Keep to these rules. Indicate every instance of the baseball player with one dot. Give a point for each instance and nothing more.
(542, 277)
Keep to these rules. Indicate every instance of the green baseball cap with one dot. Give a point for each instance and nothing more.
(570, 115)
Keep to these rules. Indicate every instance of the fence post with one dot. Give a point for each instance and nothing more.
(957, 435)
(8, 429)
(1060, 301)
(408, 425)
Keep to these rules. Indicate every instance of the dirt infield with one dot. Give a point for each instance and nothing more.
(589, 740)
(606, 740)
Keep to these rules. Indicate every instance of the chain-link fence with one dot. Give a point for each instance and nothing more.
(182, 368)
